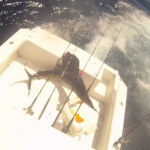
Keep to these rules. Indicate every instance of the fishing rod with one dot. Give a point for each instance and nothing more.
(29, 109)
(78, 78)
(121, 140)
(65, 129)
(63, 72)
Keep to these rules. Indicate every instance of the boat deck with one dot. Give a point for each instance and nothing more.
(41, 50)
(15, 93)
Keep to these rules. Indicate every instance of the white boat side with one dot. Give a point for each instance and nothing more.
(41, 50)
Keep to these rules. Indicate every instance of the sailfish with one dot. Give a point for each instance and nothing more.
(71, 76)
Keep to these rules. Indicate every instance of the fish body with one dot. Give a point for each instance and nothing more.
(75, 82)
(71, 77)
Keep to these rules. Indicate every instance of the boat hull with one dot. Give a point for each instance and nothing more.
(42, 50)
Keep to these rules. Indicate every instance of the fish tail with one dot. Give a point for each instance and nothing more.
(29, 81)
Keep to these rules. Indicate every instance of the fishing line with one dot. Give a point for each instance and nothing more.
(67, 128)
(29, 109)
(106, 57)
(95, 47)
(78, 79)
(56, 86)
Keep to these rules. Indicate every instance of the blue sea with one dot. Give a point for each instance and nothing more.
(82, 23)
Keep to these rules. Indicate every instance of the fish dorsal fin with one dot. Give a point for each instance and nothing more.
(73, 66)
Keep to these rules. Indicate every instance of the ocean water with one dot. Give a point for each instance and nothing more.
(82, 23)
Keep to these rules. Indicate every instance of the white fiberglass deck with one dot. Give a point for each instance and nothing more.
(17, 96)
(41, 50)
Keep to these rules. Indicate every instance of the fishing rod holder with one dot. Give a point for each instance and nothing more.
(117, 145)
(121, 141)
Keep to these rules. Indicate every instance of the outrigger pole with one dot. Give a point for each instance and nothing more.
(78, 78)
(65, 129)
